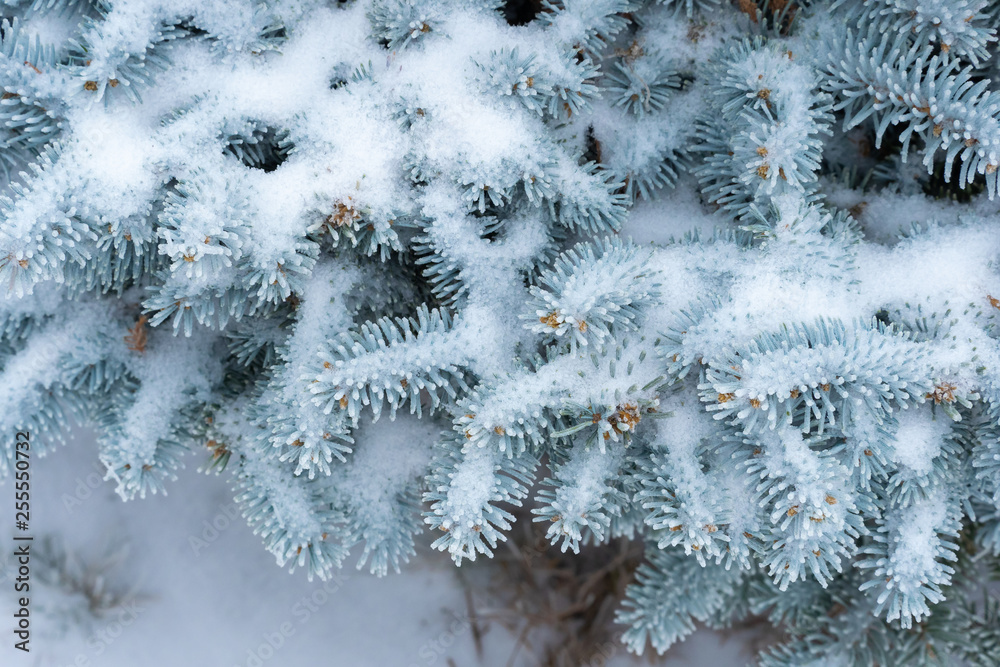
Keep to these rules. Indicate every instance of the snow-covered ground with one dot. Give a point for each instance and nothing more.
(204, 595)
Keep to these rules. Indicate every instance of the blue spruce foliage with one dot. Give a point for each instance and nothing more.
(375, 260)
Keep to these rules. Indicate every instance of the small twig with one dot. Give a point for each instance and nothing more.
(477, 635)
(517, 645)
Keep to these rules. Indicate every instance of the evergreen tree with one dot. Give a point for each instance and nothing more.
(368, 253)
